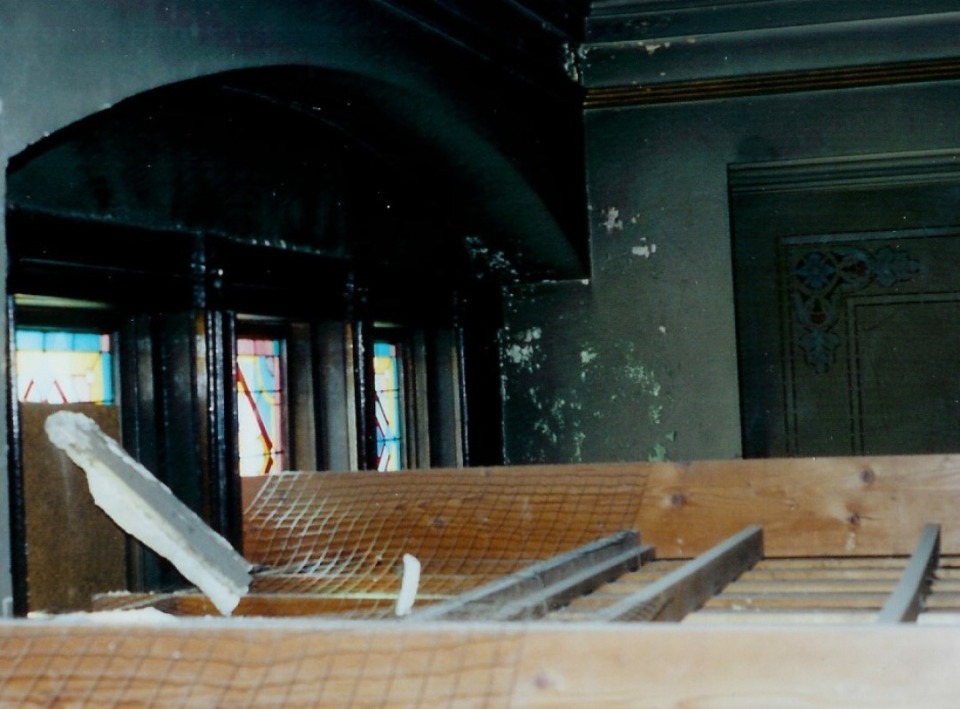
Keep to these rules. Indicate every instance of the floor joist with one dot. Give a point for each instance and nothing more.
(690, 586)
(906, 601)
(537, 589)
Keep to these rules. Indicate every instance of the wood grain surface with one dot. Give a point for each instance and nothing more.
(242, 663)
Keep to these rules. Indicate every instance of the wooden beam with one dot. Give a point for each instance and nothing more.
(783, 601)
(824, 507)
(906, 601)
(535, 590)
(689, 587)
(305, 662)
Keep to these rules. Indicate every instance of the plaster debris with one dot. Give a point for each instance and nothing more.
(662, 329)
(408, 585)
(133, 616)
(613, 221)
(146, 508)
(588, 355)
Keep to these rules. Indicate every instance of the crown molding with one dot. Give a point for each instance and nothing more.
(849, 172)
(631, 20)
(773, 83)
(725, 60)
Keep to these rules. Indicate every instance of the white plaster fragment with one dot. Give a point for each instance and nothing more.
(408, 585)
(662, 329)
(144, 507)
(587, 356)
(132, 616)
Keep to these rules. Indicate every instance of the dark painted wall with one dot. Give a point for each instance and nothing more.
(641, 361)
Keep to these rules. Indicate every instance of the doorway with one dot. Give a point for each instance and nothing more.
(848, 304)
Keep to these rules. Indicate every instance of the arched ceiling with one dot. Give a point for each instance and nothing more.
(297, 158)
(475, 167)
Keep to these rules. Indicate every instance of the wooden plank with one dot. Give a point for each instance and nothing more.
(214, 662)
(687, 588)
(74, 550)
(939, 617)
(533, 591)
(895, 563)
(755, 575)
(729, 599)
(813, 586)
(906, 601)
(275, 605)
(799, 617)
(855, 507)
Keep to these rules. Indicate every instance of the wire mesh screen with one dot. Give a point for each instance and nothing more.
(342, 536)
(198, 664)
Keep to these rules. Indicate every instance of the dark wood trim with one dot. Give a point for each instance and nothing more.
(853, 77)
(18, 515)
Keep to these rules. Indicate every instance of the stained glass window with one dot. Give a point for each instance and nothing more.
(260, 405)
(64, 367)
(386, 368)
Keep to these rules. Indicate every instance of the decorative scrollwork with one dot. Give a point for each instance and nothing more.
(822, 278)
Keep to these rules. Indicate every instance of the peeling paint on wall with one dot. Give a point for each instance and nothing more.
(572, 60)
(612, 221)
(493, 261)
(568, 419)
(658, 453)
(637, 373)
(652, 47)
(644, 249)
(557, 425)
(524, 350)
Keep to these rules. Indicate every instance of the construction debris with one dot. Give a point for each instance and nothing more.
(146, 508)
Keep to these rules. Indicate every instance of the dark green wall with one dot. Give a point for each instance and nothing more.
(641, 360)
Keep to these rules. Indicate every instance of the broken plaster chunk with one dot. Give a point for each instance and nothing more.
(408, 585)
(144, 507)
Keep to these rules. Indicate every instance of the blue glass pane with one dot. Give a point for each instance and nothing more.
(29, 340)
(86, 342)
(58, 341)
(386, 368)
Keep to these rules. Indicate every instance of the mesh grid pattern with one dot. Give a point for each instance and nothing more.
(204, 666)
(344, 534)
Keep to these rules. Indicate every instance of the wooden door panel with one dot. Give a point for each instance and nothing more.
(848, 336)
